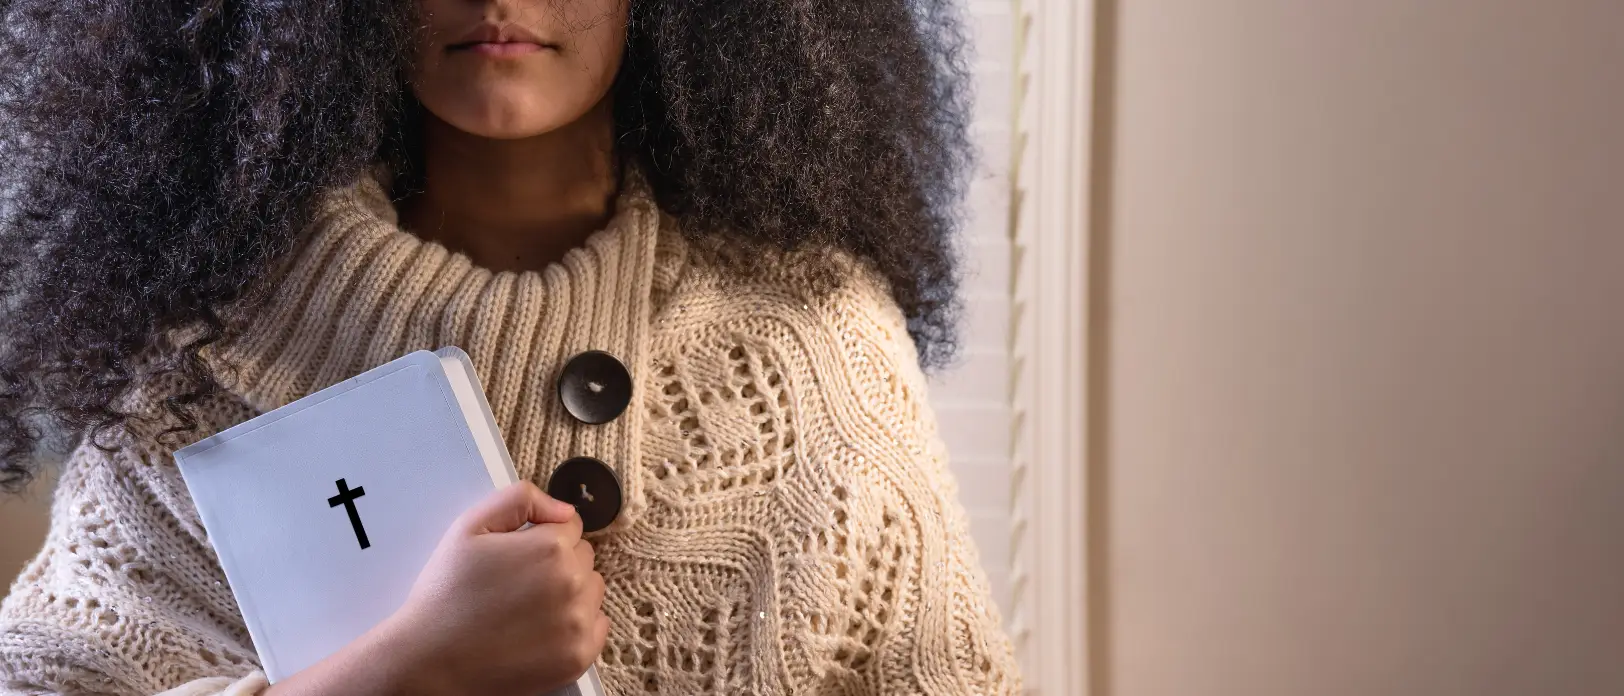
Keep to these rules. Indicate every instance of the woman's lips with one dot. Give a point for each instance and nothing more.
(499, 49)
(504, 41)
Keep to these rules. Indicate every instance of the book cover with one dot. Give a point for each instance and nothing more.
(324, 511)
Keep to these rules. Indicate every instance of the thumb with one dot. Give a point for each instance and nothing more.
(511, 508)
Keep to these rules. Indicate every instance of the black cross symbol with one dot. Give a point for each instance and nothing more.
(346, 497)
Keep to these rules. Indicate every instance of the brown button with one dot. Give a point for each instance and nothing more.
(592, 487)
(595, 387)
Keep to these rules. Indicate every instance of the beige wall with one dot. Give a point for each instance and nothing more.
(1364, 386)
(22, 528)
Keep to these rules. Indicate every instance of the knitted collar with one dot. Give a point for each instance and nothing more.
(362, 292)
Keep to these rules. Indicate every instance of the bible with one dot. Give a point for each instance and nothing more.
(324, 511)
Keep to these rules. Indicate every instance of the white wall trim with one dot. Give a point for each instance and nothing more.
(1050, 341)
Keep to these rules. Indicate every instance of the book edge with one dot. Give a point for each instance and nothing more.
(476, 410)
(457, 364)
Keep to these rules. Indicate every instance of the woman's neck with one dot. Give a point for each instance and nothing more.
(514, 205)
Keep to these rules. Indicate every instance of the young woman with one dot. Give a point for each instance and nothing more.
(214, 207)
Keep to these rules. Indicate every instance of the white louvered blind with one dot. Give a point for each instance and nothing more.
(972, 398)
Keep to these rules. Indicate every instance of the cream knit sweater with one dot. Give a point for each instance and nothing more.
(790, 524)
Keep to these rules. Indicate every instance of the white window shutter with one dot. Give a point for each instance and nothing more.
(972, 399)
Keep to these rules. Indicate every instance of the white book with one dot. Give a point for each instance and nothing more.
(324, 511)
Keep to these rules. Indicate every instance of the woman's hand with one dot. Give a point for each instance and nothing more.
(500, 608)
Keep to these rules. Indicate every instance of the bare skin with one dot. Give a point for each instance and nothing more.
(490, 200)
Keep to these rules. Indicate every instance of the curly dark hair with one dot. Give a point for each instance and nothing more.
(161, 156)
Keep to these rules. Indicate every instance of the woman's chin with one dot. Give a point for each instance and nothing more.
(505, 120)
(506, 131)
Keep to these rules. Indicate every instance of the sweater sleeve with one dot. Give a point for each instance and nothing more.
(928, 624)
(126, 598)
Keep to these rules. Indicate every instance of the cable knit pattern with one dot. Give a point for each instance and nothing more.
(790, 526)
